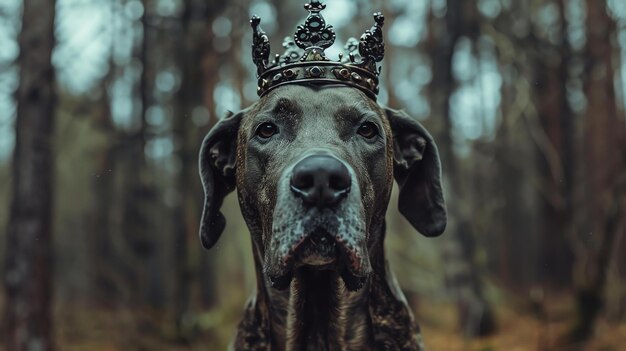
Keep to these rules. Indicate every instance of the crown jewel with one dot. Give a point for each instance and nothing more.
(304, 60)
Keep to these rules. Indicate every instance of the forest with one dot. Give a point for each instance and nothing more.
(104, 104)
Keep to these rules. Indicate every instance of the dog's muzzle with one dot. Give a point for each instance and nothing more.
(318, 222)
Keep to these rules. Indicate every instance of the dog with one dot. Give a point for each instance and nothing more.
(313, 166)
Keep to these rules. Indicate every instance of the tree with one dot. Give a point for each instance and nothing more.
(139, 194)
(475, 314)
(104, 274)
(550, 65)
(605, 162)
(193, 28)
(28, 270)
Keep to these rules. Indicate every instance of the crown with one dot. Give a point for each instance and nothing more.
(304, 60)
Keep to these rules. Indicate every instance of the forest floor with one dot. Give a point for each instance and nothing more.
(81, 327)
(520, 331)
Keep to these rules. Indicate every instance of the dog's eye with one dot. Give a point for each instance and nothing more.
(368, 130)
(266, 130)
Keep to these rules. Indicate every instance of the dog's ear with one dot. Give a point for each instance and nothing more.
(417, 169)
(217, 161)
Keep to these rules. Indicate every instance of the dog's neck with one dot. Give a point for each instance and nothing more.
(319, 313)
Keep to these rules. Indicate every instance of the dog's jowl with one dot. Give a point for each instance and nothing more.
(313, 162)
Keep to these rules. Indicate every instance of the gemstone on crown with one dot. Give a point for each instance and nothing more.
(304, 60)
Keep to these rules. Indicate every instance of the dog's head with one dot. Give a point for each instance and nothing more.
(313, 167)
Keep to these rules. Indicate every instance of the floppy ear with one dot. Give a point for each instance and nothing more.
(417, 170)
(217, 171)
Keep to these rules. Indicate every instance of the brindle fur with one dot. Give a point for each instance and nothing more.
(318, 311)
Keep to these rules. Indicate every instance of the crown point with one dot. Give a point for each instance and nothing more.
(314, 6)
(379, 18)
(260, 45)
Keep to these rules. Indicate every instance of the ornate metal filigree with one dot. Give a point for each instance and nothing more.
(314, 32)
(292, 52)
(352, 48)
(304, 59)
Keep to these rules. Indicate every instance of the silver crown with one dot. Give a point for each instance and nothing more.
(304, 60)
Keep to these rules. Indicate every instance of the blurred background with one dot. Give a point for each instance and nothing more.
(103, 105)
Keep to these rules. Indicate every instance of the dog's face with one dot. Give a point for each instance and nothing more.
(314, 169)
(315, 175)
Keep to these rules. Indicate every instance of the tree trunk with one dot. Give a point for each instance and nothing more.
(193, 27)
(28, 269)
(475, 315)
(104, 287)
(139, 195)
(555, 155)
(604, 155)
(102, 250)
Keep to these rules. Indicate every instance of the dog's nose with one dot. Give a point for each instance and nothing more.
(320, 180)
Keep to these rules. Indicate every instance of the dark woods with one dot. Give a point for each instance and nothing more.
(104, 106)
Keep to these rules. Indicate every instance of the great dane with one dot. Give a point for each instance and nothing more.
(313, 167)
